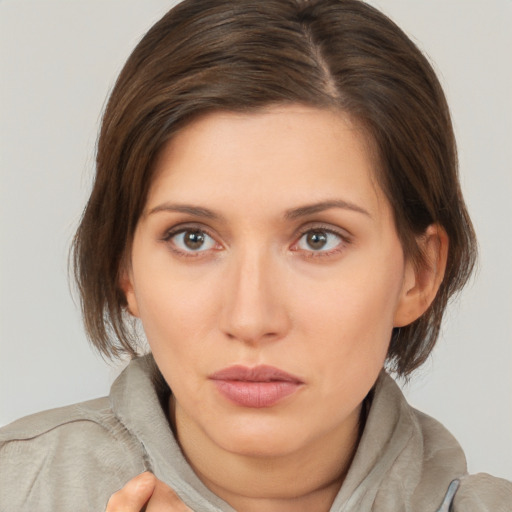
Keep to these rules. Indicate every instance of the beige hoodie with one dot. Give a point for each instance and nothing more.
(75, 457)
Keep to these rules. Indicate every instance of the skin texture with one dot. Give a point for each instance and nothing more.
(228, 268)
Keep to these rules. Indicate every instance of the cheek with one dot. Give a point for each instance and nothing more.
(176, 329)
(351, 315)
(358, 299)
(176, 309)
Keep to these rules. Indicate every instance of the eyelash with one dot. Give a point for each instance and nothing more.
(344, 241)
(343, 237)
(170, 234)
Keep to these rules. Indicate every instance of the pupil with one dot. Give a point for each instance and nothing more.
(194, 239)
(316, 239)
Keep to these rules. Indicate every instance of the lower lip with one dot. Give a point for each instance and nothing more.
(256, 394)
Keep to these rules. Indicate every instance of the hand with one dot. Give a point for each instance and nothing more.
(146, 493)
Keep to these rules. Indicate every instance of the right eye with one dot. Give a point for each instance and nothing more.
(191, 241)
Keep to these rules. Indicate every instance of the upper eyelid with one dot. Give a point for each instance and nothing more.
(342, 239)
(345, 239)
(186, 226)
(174, 231)
(343, 233)
(170, 233)
(322, 226)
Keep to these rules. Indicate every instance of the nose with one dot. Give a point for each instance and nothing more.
(254, 306)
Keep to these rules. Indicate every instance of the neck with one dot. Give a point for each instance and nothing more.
(304, 480)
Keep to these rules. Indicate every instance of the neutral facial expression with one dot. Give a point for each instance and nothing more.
(268, 275)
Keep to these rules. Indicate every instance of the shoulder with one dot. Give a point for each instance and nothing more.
(473, 493)
(476, 493)
(483, 493)
(38, 424)
(66, 449)
(82, 429)
(439, 445)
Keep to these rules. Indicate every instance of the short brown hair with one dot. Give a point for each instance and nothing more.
(242, 55)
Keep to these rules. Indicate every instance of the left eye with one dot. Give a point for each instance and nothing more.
(193, 240)
(318, 240)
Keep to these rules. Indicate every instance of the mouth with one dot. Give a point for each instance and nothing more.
(258, 387)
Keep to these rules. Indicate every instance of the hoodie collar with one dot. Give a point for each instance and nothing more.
(396, 462)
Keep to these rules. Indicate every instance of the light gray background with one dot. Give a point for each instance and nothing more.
(58, 60)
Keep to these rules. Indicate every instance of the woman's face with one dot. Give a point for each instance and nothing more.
(268, 275)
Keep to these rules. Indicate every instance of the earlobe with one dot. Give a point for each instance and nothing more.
(423, 279)
(126, 285)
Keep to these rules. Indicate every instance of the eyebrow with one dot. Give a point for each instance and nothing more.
(310, 209)
(290, 214)
(197, 211)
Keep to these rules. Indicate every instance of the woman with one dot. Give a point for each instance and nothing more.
(277, 201)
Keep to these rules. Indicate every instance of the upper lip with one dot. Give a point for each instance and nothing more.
(261, 373)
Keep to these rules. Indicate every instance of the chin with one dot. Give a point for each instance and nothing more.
(259, 448)
(259, 439)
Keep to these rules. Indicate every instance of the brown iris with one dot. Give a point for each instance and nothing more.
(316, 239)
(194, 240)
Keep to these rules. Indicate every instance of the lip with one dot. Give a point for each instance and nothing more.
(257, 387)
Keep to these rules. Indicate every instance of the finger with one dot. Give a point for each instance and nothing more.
(164, 499)
(134, 495)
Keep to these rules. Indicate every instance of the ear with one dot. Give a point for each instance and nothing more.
(127, 286)
(422, 280)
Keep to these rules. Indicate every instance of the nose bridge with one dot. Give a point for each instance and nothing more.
(253, 306)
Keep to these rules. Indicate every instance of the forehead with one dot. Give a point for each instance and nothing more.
(275, 158)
